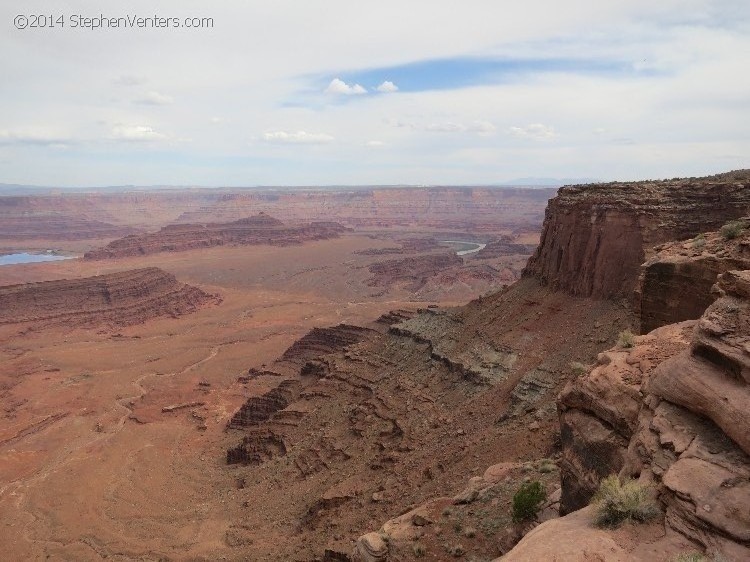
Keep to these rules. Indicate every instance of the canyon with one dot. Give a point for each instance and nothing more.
(372, 396)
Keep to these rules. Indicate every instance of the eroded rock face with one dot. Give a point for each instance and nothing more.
(673, 411)
(675, 284)
(117, 299)
(260, 229)
(596, 237)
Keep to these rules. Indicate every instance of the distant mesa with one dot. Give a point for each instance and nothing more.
(115, 299)
(259, 229)
(54, 226)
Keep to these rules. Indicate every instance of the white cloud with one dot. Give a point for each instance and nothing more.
(33, 136)
(387, 87)
(136, 133)
(445, 128)
(217, 120)
(375, 143)
(481, 127)
(339, 87)
(129, 80)
(155, 98)
(299, 137)
(536, 131)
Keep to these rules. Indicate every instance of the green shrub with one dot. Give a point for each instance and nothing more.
(626, 339)
(527, 500)
(733, 229)
(617, 502)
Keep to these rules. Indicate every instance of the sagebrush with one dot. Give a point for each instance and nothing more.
(733, 229)
(617, 502)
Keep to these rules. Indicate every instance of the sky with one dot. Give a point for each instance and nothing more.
(322, 92)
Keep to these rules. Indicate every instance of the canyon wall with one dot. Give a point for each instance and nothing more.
(596, 237)
(480, 209)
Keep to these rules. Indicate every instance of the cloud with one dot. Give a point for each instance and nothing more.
(299, 137)
(136, 133)
(155, 98)
(387, 87)
(33, 137)
(339, 87)
(479, 127)
(374, 143)
(535, 131)
(129, 80)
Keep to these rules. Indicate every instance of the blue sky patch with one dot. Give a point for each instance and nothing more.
(455, 73)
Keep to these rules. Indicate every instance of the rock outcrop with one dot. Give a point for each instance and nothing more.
(675, 284)
(114, 299)
(260, 229)
(595, 237)
(673, 410)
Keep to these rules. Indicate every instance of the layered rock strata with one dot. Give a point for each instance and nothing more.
(117, 299)
(595, 237)
(260, 229)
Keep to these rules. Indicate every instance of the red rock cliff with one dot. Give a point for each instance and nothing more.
(595, 237)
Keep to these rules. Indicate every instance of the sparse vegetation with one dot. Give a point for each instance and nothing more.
(456, 551)
(699, 241)
(733, 229)
(418, 549)
(578, 368)
(447, 512)
(527, 500)
(691, 557)
(470, 532)
(626, 339)
(546, 466)
(617, 502)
